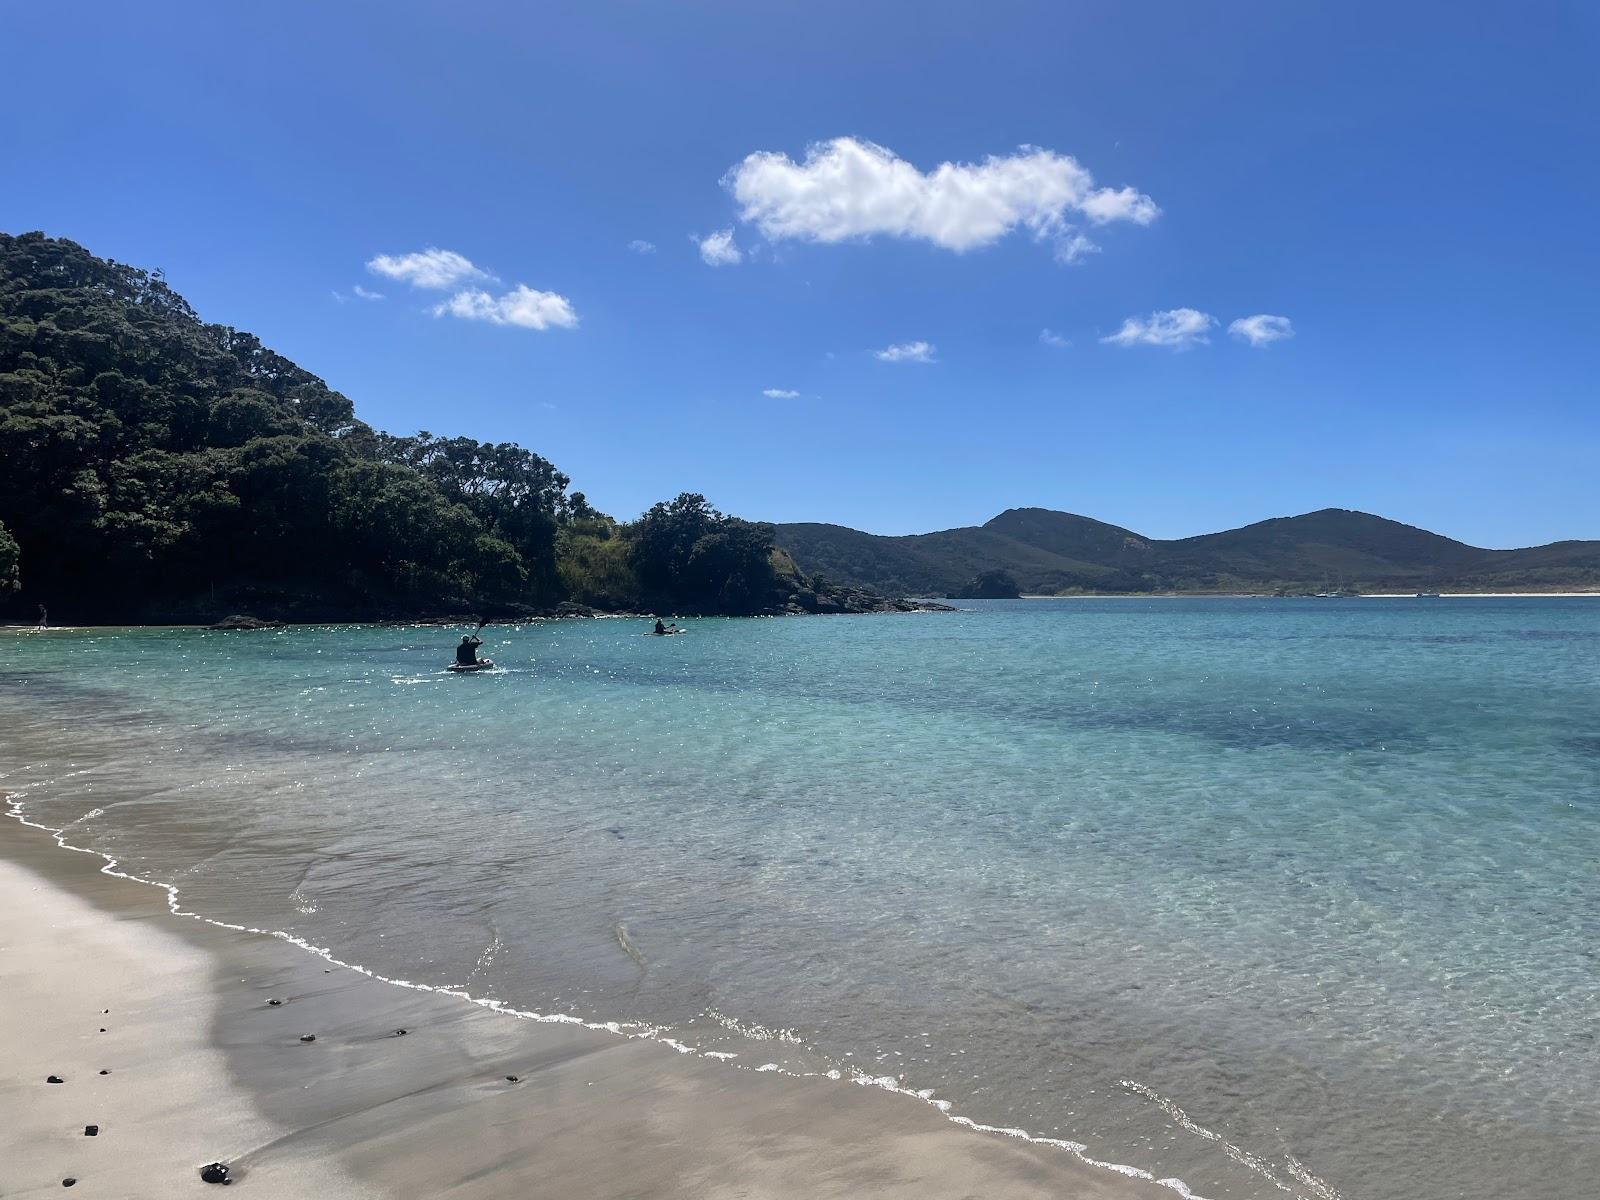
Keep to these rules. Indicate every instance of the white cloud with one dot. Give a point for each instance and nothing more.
(1104, 205)
(443, 270)
(1070, 247)
(430, 268)
(780, 394)
(1176, 329)
(1262, 329)
(522, 306)
(640, 246)
(718, 249)
(1046, 338)
(847, 188)
(916, 352)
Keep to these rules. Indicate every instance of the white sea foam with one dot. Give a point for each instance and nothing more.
(640, 1030)
(1321, 1189)
(752, 1031)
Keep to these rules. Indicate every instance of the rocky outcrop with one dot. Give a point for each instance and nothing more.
(840, 600)
(241, 621)
(798, 593)
(990, 585)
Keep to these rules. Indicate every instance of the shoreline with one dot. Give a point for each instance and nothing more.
(450, 623)
(1272, 596)
(204, 1069)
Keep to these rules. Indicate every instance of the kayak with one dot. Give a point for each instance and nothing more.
(483, 664)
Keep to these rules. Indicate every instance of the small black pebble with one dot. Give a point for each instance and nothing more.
(54, 1079)
(105, 1012)
(214, 1173)
(91, 1131)
(102, 1029)
(511, 1078)
(308, 1037)
(68, 1181)
(103, 1071)
(399, 1033)
(274, 1003)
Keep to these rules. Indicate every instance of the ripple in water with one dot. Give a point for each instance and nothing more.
(1269, 898)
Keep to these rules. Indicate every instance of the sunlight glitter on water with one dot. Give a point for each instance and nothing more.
(1317, 876)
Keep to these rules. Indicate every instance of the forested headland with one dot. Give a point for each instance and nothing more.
(156, 467)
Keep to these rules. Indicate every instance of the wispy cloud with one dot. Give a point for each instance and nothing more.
(640, 246)
(445, 270)
(906, 352)
(1262, 329)
(1175, 329)
(780, 394)
(1046, 338)
(848, 188)
(719, 249)
(359, 292)
(431, 268)
(522, 306)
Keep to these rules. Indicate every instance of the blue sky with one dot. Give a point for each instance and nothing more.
(1412, 187)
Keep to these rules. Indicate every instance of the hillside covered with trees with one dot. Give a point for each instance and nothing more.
(160, 468)
(1048, 552)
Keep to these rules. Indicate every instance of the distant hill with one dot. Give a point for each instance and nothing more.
(1055, 552)
(925, 563)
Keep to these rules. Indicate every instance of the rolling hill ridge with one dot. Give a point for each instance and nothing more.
(1052, 552)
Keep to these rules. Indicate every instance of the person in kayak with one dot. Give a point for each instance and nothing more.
(660, 628)
(467, 652)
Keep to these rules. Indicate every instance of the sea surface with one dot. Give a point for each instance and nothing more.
(1265, 897)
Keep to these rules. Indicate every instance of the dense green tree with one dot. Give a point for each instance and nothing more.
(393, 527)
(243, 416)
(594, 557)
(689, 557)
(519, 496)
(10, 555)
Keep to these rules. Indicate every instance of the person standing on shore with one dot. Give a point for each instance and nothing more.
(44, 618)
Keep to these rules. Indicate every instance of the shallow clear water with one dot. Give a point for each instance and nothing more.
(1272, 897)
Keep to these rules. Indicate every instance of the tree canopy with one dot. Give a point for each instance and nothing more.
(685, 551)
(9, 553)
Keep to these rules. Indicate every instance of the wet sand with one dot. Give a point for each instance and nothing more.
(200, 1067)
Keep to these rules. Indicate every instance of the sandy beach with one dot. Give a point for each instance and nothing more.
(163, 1035)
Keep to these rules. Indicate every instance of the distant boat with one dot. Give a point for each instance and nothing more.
(1427, 595)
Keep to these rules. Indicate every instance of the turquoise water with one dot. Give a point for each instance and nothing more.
(1270, 897)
